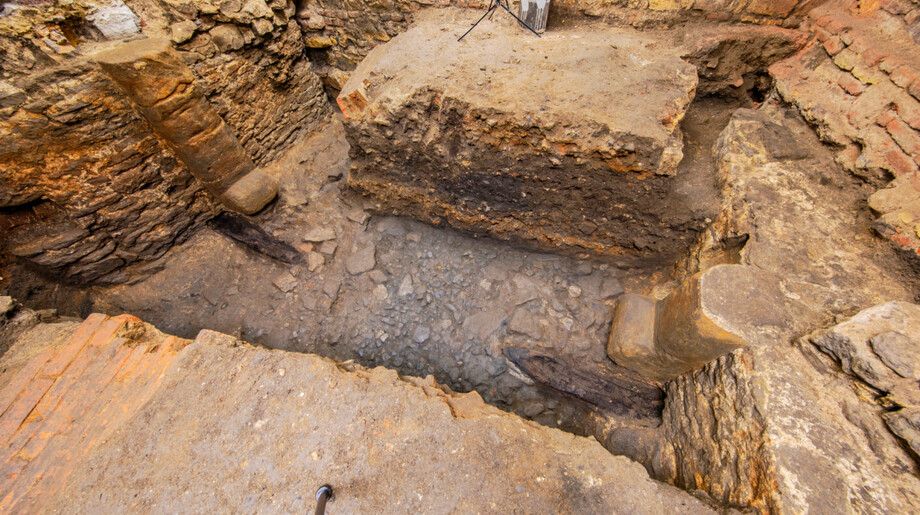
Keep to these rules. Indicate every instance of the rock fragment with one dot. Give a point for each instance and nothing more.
(362, 260)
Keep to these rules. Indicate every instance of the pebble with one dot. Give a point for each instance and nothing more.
(421, 335)
(380, 291)
(285, 282)
(574, 291)
(328, 247)
(315, 260)
(319, 234)
(378, 276)
(405, 287)
(363, 260)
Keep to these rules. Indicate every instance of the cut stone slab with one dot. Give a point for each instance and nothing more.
(231, 426)
(523, 138)
(697, 323)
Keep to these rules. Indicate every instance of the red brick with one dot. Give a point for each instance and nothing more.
(909, 111)
(851, 85)
(906, 138)
(900, 164)
(904, 76)
(833, 45)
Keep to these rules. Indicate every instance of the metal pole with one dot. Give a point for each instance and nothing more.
(322, 495)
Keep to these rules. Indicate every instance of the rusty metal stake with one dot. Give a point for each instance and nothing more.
(322, 495)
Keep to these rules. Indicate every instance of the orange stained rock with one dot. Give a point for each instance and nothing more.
(66, 400)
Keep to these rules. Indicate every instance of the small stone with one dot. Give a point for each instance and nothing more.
(328, 247)
(6, 305)
(285, 282)
(574, 291)
(380, 291)
(522, 322)
(262, 26)
(362, 261)
(377, 276)
(610, 288)
(421, 335)
(182, 31)
(227, 37)
(315, 260)
(405, 286)
(319, 234)
(357, 215)
(567, 322)
(532, 409)
(331, 288)
(414, 237)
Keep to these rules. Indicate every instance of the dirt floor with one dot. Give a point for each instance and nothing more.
(394, 292)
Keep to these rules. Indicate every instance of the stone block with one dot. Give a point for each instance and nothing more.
(515, 136)
(697, 323)
(632, 334)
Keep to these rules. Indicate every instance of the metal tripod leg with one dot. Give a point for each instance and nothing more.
(492, 6)
(522, 22)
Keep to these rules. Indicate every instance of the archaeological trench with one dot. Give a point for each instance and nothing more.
(661, 257)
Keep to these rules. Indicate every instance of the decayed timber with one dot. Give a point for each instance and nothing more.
(611, 388)
(241, 229)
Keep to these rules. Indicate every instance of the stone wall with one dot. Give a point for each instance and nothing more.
(859, 85)
(85, 186)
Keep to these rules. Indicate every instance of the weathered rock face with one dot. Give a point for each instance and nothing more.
(881, 347)
(163, 89)
(491, 135)
(752, 427)
(83, 179)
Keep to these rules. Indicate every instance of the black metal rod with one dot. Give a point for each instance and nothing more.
(491, 8)
(322, 495)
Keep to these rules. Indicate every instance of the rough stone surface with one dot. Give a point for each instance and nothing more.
(77, 157)
(696, 323)
(527, 164)
(381, 441)
(792, 446)
(881, 347)
(163, 89)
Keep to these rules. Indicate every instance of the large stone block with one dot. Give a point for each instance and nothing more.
(703, 319)
(569, 141)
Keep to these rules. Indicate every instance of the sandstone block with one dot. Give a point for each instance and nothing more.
(163, 89)
(697, 323)
(522, 138)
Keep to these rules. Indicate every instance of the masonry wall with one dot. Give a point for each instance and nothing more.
(85, 187)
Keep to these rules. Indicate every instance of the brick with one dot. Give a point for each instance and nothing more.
(851, 85)
(909, 111)
(846, 59)
(906, 138)
(867, 75)
(899, 163)
(833, 45)
(904, 76)
(875, 100)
